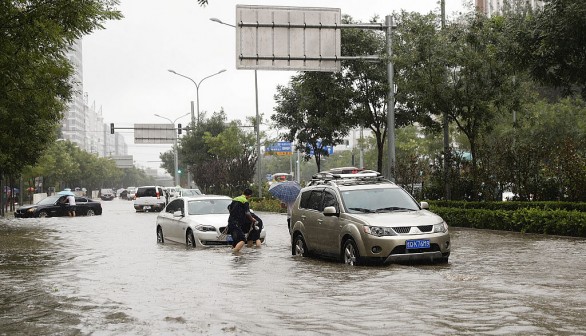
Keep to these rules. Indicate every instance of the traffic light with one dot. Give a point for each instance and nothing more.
(178, 128)
(111, 128)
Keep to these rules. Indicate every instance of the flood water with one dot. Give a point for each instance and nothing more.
(106, 275)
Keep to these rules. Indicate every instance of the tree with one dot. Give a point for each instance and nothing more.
(552, 44)
(315, 109)
(219, 155)
(535, 163)
(34, 72)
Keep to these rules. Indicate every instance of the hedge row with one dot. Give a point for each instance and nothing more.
(526, 220)
(513, 205)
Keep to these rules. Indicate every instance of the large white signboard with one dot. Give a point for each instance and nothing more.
(123, 161)
(288, 38)
(154, 134)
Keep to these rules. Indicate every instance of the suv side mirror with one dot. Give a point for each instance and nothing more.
(178, 213)
(331, 211)
(424, 205)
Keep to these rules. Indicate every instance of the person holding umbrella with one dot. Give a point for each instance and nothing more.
(287, 193)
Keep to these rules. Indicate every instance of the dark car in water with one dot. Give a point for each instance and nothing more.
(107, 194)
(56, 206)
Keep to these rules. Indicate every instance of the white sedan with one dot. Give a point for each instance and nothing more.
(195, 221)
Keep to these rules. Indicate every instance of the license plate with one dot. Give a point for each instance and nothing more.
(417, 244)
(147, 207)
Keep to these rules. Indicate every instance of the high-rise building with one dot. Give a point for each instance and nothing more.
(83, 123)
(495, 7)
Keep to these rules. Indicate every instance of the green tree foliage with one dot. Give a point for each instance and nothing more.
(370, 83)
(552, 44)
(65, 165)
(220, 156)
(535, 162)
(315, 108)
(34, 72)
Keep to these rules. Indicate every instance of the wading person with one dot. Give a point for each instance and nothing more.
(71, 205)
(239, 214)
(253, 236)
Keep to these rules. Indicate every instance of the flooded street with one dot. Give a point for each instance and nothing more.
(106, 275)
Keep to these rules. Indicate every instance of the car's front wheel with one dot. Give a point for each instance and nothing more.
(299, 247)
(160, 238)
(350, 253)
(42, 214)
(90, 212)
(190, 239)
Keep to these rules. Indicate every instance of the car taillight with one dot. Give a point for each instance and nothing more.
(158, 195)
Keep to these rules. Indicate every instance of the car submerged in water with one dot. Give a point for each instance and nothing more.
(56, 206)
(363, 218)
(196, 221)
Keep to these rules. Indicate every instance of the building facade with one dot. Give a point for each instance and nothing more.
(83, 123)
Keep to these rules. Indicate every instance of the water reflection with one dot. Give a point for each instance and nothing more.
(107, 275)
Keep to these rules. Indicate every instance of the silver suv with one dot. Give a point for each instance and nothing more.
(364, 217)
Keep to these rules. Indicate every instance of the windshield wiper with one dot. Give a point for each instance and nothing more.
(393, 209)
(363, 210)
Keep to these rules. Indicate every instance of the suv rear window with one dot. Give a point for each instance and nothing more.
(146, 192)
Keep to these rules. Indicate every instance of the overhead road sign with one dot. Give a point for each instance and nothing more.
(123, 161)
(288, 38)
(281, 148)
(293, 38)
(154, 134)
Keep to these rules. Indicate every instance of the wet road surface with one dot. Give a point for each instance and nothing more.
(106, 275)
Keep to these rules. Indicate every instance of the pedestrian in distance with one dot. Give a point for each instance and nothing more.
(239, 214)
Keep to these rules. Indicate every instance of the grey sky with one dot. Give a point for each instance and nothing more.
(125, 65)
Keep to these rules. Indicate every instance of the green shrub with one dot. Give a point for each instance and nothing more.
(526, 220)
(546, 205)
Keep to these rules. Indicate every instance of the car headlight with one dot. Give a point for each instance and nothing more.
(441, 227)
(206, 228)
(379, 231)
(32, 210)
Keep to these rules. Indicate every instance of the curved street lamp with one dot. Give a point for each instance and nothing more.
(257, 126)
(172, 122)
(197, 94)
(197, 84)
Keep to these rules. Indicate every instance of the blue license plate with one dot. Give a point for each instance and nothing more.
(417, 244)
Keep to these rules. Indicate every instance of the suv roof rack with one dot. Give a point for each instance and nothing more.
(362, 177)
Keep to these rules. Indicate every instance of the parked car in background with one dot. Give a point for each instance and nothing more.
(149, 198)
(173, 192)
(55, 206)
(188, 192)
(130, 191)
(107, 194)
(195, 221)
(364, 217)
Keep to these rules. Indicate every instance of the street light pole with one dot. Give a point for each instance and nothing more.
(176, 149)
(197, 84)
(257, 119)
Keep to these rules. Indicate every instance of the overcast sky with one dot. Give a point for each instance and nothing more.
(125, 65)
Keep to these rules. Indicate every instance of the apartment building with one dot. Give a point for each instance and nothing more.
(83, 123)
